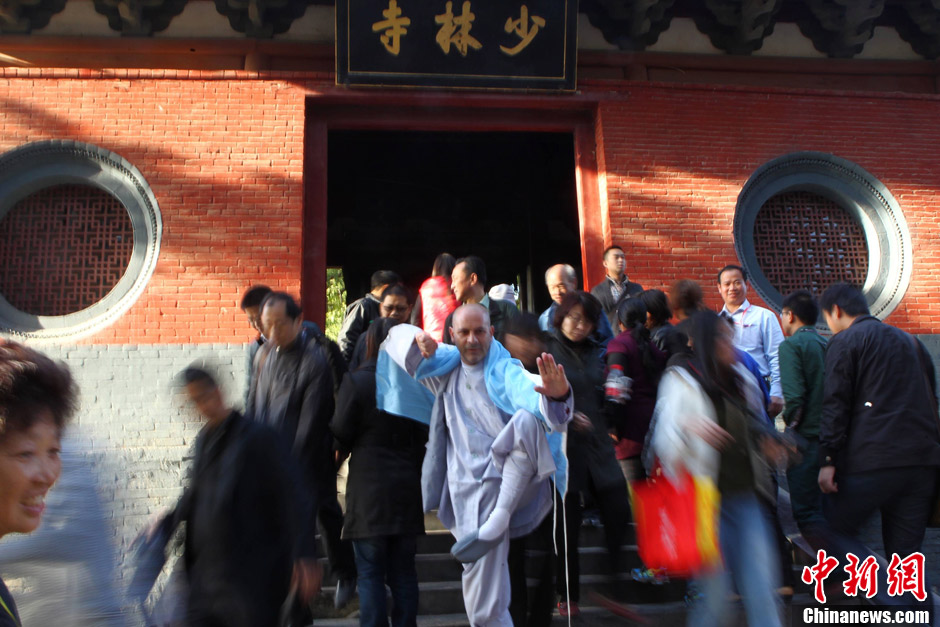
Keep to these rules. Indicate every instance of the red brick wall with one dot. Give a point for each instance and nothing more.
(223, 153)
(676, 158)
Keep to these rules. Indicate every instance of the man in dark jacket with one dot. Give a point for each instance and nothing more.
(244, 533)
(293, 393)
(616, 286)
(363, 311)
(468, 282)
(251, 305)
(878, 441)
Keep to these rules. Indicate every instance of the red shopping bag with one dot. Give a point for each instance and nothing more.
(676, 524)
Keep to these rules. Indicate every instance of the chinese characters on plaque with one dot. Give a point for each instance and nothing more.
(530, 44)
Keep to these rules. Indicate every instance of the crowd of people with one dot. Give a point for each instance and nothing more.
(451, 399)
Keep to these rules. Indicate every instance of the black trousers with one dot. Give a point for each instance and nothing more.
(532, 557)
(330, 524)
(903, 496)
(614, 506)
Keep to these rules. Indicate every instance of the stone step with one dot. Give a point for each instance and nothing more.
(671, 614)
(443, 567)
(446, 597)
(434, 597)
(661, 615)
(626, 590)
(437, 567)
(438, 620)
(433, 541)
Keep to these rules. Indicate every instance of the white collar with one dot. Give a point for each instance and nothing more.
(743, 308)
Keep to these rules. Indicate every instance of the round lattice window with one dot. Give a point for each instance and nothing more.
(806, 241)
(63, 249)
(79, 238)
(808, 220)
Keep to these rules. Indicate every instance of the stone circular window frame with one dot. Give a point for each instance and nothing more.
(890, 252)
(39, 165)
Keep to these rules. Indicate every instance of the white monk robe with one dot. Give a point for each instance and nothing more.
(480, 439)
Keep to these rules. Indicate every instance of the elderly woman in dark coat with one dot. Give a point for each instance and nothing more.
(592, 464)
(383, 492)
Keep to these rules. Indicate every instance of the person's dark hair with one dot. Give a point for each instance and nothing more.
(631, 312)
(592, 307)
(717, 379)
(376, 334)
(30, 382)
(848, 297)
(525, 325)
(687, 296)
(399, 290)
(731, 266)
(195, 374)
(610, 248)
(444, 265)
(254, 296)
(384, 277)
(475, 266)
(657, 305)
(632, 315)
(803, 305)
(291, 308)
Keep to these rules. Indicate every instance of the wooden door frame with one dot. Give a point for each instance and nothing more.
(450, 112)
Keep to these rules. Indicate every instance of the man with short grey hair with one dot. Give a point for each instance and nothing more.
(561, 279)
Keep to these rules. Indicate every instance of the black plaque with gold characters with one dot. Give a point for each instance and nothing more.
(484, 44)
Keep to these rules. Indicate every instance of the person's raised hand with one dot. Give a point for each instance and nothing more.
(554, 381)
(426, 344)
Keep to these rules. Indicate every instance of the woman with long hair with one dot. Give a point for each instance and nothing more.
(37, 397)
(383, 493)
(592, 464)
(708, 421)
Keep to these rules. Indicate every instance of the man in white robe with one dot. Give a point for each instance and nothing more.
(488, 461)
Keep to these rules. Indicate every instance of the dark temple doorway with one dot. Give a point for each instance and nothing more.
(397, 199)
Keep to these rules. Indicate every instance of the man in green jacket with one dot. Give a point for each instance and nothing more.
(802, 373)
